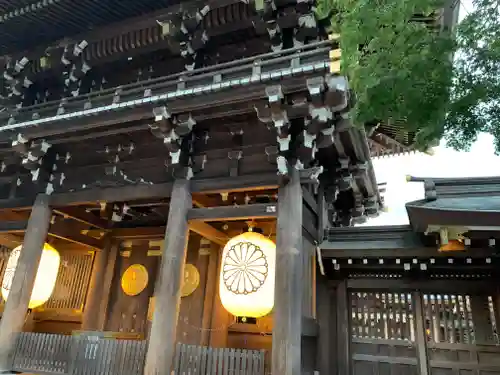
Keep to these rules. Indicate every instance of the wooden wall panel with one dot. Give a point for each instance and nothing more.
(196, 309)
(211, 292)
(191, 310)
(128, 314)
(220, 317)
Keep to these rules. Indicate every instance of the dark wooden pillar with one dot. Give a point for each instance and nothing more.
(90, 321)
(287, 319)
(162, 338)
(16, 307)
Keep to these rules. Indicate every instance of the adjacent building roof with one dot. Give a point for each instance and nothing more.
(464, 208)
(471, 203)
(453, 234)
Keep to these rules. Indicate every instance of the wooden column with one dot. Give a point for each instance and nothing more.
(162, 338)
(16, 306)
(90, 321)
(287, 319)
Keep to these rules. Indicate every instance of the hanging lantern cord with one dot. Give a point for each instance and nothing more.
(251, 225)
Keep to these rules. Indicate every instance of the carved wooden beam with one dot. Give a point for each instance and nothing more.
(67, 232)
(229, 213)
(82, 216)
(209, 232)
(59, 228)
(10, 240)
(196, 226)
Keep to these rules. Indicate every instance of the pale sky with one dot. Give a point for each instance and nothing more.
(480, 161)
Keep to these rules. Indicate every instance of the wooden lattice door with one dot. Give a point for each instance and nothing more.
(383, 339)
(413, 332)
(461, 334)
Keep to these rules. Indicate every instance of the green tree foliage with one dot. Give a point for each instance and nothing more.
(398, 67)
(475, 96)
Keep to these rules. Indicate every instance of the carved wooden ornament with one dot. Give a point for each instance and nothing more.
(191, 280)
(135, 279)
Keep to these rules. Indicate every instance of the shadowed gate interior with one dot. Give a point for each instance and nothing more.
(446, 325)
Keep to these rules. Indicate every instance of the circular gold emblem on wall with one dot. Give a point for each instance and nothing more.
(191, 280)
(135, 279)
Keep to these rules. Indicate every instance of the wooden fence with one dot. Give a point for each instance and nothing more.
(97, 354)
(42, 353)
(202, 360)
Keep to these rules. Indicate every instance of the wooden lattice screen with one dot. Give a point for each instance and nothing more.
(72, 281)
(449, 318)
(386, 316)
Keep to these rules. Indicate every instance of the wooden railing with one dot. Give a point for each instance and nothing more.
(42, 353)
(193, 359)
(99, 354)
(94, 355)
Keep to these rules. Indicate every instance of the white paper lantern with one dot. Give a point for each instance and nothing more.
(46, 275)
(247, 273)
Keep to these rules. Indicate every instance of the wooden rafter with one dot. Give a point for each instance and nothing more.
(82, 216)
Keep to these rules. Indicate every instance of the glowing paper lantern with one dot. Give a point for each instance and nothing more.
(46, 275)
(246, 286)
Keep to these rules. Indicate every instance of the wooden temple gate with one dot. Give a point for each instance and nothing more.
(164, 120)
